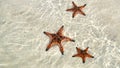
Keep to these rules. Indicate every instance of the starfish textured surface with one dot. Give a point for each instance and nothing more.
(83, 54)
(76, 10)
(57, 39)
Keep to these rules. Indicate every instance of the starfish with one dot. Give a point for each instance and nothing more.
(57, 39)
(76, 9)
(83, 54)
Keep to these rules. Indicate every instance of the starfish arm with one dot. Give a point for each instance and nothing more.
(74, 14)
(90, 56)
(72, 9)
(60, 30)
(48, 34)
(49, 45)
(81, 7)
(76, 55)
(68, 39)
(61, 49)
(83, 59)
(74, 4)
(78, 50)
(81, 12)
(86, 49)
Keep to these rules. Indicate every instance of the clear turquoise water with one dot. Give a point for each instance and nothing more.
(23, 44)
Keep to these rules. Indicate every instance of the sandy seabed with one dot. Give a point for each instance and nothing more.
(23, 44)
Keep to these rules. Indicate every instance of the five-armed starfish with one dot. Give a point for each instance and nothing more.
(57, 39)
(76, 9)
(83, 54)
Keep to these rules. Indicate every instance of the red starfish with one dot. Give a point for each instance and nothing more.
(57, 39)
(83, 54)
(76, 9)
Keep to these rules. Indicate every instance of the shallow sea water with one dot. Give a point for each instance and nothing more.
(23, 44)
